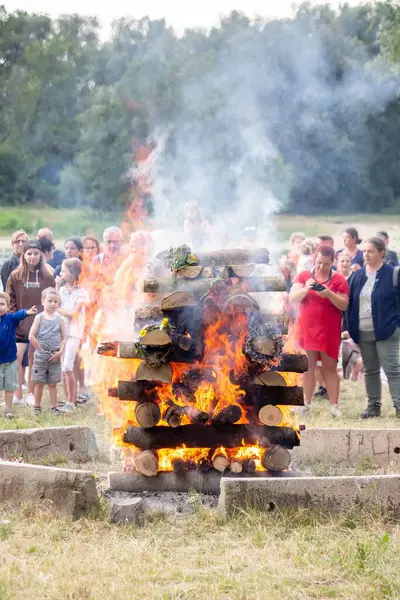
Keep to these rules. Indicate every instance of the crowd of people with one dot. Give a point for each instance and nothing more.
(347, 316)
(48, 302)
(343, 305)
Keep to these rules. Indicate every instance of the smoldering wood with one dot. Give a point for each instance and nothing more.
(227, 416)
(198, 436)
(148, 316)
(291, 363)
(141, 391)
(200, 287)
(175, 412)
(249, 465)
(203, 465)
(261, 395)
(172, 416)
(179, 466)
(147, 414)
(190, 272)
(146, 463)
(241, 302)
(206, 482)
(276, 458)
(157, 337)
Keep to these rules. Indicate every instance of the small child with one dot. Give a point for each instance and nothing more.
(74, 299)
(8, 349)
(47, 336)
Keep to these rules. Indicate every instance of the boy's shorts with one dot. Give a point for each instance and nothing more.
(45, 372)
(9, 376)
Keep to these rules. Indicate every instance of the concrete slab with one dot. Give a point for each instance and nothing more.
(77, 444)
(346, 446)
(328, 494)
(67, 492)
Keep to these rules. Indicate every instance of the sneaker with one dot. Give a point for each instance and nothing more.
(55, 411)
(322, 392)
(30, 400)
(18, 401)
(8, 414)
(82, 398)
(37, 410)
(371, 412)
(335, 411)
(67, 408)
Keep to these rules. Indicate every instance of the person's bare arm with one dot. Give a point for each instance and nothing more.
(341, 301)
(57, 355)
(299, 291)
(33, 333)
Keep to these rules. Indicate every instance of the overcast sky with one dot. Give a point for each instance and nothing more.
(179, 13)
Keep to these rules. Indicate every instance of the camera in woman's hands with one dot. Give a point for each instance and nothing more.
(318, 287)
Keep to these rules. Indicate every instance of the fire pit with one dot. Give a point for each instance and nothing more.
(211, 380)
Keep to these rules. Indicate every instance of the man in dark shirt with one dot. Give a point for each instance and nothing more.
(58, 256)
(18, 240)
(390, 257)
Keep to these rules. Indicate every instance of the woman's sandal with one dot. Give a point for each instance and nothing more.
(37, 410)
(82, 398)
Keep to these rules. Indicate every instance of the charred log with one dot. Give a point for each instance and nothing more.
(130, 350)
(236, 467)
(234, 257)
(147, 414)
(197, 436)
(229, 415)
(174, 413)
(249, 465)
(291, 363)
(261, 395)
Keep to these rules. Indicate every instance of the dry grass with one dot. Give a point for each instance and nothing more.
(296, 555)
(256, 556)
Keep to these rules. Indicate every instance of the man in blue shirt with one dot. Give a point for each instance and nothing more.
(8, 349)
(58, 255)
(390, 257)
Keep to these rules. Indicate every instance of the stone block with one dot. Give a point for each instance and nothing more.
(346, 446)
(327, 494)
(68, 492)
(127, 510)
(76, 444)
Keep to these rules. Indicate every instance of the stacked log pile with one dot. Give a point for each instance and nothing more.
(192, 296)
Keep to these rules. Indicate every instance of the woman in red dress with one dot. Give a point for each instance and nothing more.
(322, 294)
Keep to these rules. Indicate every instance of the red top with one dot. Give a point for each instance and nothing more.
(319, 322)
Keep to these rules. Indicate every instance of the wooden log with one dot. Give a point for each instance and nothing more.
(203, 465)
(176, 354)
(147, 414)
(264, 345)
(270, 378)
(172, 416)
(185, 342)
(157, 337)
(291, 363)
(220, 463)
(190, 272)
(236, 467)
(178, 299)
(179, 466)
(146, 463)
(229, 415)
(249, 465)
(241, 302)
(241, 270)
(147, 316)
(270, 415)
(200, 287)
(237, 256)
(262, 395)
(280, 321)
(198, 436)
(140, 391)
(276, 458)
(162, 374)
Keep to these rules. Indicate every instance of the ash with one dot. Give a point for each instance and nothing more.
(173, 503)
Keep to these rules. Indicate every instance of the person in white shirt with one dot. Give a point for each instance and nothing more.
(74, 299)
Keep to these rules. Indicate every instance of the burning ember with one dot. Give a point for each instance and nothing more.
(204, 383)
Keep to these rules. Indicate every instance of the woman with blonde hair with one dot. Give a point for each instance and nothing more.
(25, 286)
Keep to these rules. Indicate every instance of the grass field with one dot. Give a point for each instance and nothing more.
(298, 555)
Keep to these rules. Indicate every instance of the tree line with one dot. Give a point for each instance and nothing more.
(301, 113)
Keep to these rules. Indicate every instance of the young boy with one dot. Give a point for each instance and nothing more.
(47, 336)
(8, 349)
